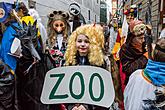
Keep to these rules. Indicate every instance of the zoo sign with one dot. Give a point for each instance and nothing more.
(78, 84)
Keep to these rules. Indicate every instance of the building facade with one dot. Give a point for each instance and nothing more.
(149, 12)
(162, 13)
(103, 11)
(114, 7)
(90, 9)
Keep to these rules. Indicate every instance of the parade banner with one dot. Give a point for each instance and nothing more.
(78, 84)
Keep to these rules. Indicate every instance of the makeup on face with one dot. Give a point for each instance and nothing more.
(82, 44)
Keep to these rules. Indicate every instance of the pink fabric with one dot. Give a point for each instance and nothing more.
(133, 23)
(123, 77)
(62, 107)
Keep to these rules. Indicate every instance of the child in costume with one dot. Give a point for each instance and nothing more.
(58, 30)
(85, 47)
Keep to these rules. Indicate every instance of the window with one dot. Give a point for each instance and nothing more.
(139, 10)
(89, 15)
(95, 18)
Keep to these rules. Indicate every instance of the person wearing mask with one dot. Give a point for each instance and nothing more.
(58, 30)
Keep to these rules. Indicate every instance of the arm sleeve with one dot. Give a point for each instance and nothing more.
(129, 65)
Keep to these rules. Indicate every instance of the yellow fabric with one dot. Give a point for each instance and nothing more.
(116, 47)
(12, 72)
(28, 19)
(122, 40)
(115, 50)
(120, 31)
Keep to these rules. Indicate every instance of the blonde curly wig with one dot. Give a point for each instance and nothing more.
(96, 39)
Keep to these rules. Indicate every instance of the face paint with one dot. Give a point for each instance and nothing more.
(59, 26)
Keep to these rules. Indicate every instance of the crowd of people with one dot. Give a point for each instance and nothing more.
(28, 51)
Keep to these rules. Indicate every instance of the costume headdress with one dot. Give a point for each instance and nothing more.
(5, 9)
(159, 51)
(59, 15)
(131, 11)
(137, 27)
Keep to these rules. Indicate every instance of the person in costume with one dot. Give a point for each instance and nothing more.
(145, 89)
(31, 69)
(58, 31)
(41, 27)
(8, 62)
(129, 15)
(23, 14)
(118, 44)
(114, 68)
(85, 47)
(133, 54)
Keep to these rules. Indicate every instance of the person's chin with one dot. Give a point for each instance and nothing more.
(83, 53)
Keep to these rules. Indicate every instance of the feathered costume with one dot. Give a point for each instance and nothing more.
(30, 69)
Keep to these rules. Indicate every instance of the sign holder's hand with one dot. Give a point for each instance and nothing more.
(81, 107)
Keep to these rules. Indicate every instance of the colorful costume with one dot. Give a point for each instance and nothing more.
(94, 57)
(8, 63)
(129, 14)
(30, 70)
(58, 31)
(149, 83)
(131, 58)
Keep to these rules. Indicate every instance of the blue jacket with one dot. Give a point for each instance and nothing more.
(6, 43)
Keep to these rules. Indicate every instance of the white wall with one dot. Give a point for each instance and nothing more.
(44, 7)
